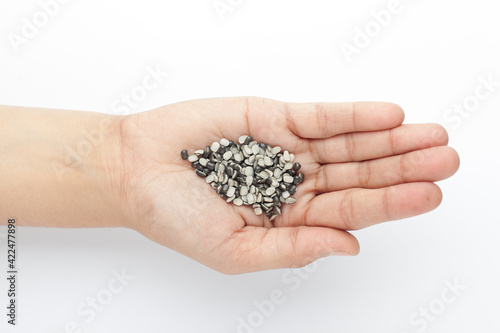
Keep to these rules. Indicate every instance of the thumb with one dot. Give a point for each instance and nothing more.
(260, 248)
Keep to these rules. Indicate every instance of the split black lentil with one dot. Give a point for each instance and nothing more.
(184, 154)
(248, 173)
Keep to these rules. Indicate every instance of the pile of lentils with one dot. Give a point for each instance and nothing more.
(249, 173)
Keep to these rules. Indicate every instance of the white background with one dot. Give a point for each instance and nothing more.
(430, 56)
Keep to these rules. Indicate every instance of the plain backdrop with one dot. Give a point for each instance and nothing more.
(430, 57)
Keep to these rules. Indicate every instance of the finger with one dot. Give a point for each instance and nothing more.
(369, 145)
(258, 248)
(324, 120)
(359, 208)
(426, 165)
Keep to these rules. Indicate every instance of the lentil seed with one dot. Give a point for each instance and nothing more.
(301, 178)
(201, 173)
(270, 190)
(286, 156)
(210, 165)
(206, 153)
(242, 139)
(275, 182)
(215, 146)
(247, 150)
(275, 150)
(192, 158)
(210, 178)
(264, 175)
(249, 171)
(238, 157)
(244, 190)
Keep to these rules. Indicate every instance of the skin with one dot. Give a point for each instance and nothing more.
(361, 165)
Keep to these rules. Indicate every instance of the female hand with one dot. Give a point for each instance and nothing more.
(361, 167)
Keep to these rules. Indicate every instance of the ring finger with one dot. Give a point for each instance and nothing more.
(426, 165)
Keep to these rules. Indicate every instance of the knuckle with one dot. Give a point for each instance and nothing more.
(294, 235)
(346, 211)
(405, 168)
(364, 171)
(301, 262)
(321, 117)
(350, 146)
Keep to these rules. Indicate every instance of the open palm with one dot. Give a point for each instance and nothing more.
(361, 167)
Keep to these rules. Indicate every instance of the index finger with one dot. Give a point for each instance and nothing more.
(324, 120)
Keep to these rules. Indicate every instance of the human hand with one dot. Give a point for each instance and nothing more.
(361, 167)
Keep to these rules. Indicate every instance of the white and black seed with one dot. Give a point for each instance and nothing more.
(250, 173)
(184, 154)
(192, 158)
(215, 147)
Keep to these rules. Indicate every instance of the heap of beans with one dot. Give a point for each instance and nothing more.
(249, 173)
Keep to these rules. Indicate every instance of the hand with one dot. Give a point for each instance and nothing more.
(361, 167)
